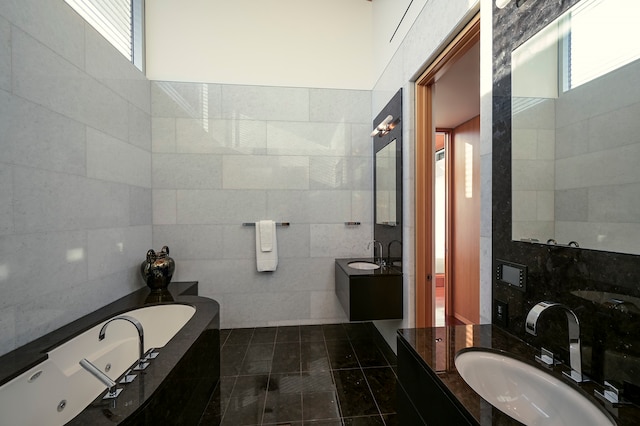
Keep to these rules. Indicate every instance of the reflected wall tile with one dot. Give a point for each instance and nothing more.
(140, 206)
(191, 242)
(220, 207)
(340, 106)
(265, 172)
(5, 55)
(606, 132)
(614, 203)
(536, 174)
(570, 139)
(186, 171)
(163, 134)
(294, 138)
(185, 100)
(6, 199)
(265, 103)
(38, 137)
(116, 249)
(595, 168)
(113, 160)
(72, 202)
(164, 203)
(62, 262)
(221, 136)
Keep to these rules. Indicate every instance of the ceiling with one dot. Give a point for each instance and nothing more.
(457, 92)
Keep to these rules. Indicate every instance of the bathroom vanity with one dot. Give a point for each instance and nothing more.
(368, 294)
(431, 391)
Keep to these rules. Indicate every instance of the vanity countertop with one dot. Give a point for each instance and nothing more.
(436, 348)
(385, 270)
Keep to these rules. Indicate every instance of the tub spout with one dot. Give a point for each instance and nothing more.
(106, 380)
(141, 364)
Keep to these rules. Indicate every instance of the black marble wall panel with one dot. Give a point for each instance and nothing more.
(610, 331)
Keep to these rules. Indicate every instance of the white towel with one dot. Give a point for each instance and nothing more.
(266, 246)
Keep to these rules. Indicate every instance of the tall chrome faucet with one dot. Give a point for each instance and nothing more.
(379, 260)
(575, 350)
(141, 364)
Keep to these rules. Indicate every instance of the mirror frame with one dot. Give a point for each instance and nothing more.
(385, 233)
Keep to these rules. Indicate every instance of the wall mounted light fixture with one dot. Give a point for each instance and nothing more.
(385, 126)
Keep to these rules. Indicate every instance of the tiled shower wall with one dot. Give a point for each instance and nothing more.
(75, 167)
(228, 154)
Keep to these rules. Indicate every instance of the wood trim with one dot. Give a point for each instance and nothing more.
(424, 176)
(425, 312)
(465, 40)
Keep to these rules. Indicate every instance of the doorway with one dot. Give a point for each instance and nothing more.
(447, 184)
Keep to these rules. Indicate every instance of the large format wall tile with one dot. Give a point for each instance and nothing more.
(294, 155)
(75, 170)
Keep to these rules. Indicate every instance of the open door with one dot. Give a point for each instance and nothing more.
(453, 74)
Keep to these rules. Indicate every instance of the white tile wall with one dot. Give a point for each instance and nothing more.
(75, 170)
(289, 154)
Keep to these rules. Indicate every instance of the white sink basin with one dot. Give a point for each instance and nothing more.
(363, 265)
(526, 393)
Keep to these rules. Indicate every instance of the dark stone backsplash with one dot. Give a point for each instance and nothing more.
(610, 332)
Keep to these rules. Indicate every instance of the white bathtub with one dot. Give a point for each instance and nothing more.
(35, 397)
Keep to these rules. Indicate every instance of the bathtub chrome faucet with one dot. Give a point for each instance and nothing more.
(575, 350)
(141, 360)
(95, 371)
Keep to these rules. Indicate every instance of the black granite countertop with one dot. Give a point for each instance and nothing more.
(385, 270)
(437, 347)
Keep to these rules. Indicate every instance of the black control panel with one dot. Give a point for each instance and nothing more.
(511, 274)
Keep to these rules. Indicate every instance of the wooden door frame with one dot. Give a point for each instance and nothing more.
(424, 178)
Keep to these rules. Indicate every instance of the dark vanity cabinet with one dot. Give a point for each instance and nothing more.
(368, 295)
(420, 396)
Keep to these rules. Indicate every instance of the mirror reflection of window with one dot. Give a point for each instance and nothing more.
(602, 36)
(575, 141)
(386, 185)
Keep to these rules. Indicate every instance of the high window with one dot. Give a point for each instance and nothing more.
(121, 22)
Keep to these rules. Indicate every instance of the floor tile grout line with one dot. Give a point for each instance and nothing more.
(237, 375)
(364, 376)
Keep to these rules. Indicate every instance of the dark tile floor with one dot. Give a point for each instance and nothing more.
(322, 375)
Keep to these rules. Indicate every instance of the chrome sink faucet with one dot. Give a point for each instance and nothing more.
(379, 260)
(575, 350)
(141, 364)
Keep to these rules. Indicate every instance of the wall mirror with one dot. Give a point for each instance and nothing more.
(386, 211)
(387, 179)
(576, 130)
